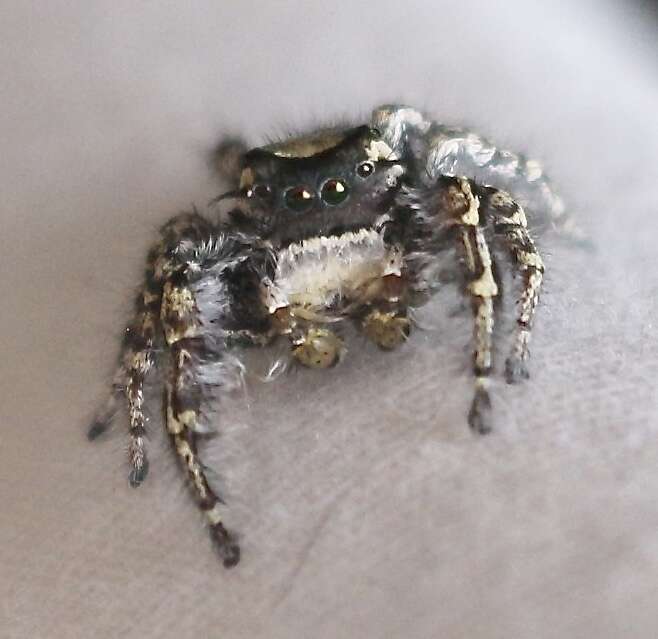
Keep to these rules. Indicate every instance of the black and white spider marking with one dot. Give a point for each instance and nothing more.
(342, 224)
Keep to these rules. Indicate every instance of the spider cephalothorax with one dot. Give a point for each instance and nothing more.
(350, 224)
(315, 186)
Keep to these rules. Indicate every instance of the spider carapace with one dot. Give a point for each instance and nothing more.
(342, 224)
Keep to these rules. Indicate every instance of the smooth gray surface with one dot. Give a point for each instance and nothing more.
(366, 507)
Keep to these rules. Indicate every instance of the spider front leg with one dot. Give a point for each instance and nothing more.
(208, 300)
(183, 396)
(200, 294)
(483, 289)
(510, 227)
(454, 201)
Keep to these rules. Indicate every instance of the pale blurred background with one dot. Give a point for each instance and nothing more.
(366, 507)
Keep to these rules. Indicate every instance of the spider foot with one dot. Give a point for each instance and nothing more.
(387, 330)
(515, 370)
(227, 547)
(138, 473)
(480, 414)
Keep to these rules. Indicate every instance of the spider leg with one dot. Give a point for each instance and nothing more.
(457, 208)
(183, 396)
(206, 302)
(140, 341)
(136, 362)
(509, 224)
(483, 289)
(182, 409)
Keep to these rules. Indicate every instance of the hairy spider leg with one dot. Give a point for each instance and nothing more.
(197, 307)
(483, 289)
(190, 349)
(137, 357)
(138, 361)
(458, 208)
(187, 299)
(510, 227)
(135, 363)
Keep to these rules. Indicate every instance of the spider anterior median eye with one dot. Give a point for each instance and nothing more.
(334, 191)
(299, 198)
(365, 169)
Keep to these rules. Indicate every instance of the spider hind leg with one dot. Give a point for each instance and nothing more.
(136, 362)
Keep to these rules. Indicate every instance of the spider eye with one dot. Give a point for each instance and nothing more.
(261, 191)
(299, 198)
(365, 169)
(334, 191)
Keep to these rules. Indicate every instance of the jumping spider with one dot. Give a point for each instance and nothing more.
(340, 224)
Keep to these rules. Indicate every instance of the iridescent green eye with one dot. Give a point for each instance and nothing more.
(334, 191)
(299, 198)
